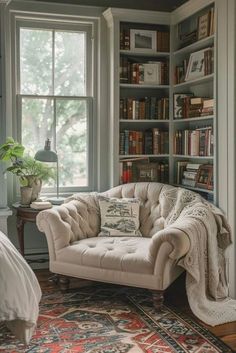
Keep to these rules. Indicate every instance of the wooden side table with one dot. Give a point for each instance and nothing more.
(24, 215)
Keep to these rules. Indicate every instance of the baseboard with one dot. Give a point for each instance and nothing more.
(37, 258)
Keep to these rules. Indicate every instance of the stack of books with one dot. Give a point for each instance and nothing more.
(41, 205)
(144, 108)
(188, 106)
(208, 107)
(190, 174)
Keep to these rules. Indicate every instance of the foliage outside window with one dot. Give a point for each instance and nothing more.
(55, 98)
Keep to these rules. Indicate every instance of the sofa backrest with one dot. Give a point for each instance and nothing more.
(155, 206)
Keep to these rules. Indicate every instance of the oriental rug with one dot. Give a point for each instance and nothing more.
(111, 319)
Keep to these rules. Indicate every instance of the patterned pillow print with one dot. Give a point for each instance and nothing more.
(119, 217)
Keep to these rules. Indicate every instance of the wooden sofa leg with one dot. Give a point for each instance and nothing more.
(158, 299)
(64, 283)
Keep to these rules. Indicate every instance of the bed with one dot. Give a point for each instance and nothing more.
(20, 292)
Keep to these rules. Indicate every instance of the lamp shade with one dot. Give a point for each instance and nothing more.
(46, 155)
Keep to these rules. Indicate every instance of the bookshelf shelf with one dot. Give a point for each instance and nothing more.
(141, 86)
(153, 54)
(144, 121)
(200, 44)
(195, 189)
(197, 81)
(193, 157)
(200, 118)
(121, 156)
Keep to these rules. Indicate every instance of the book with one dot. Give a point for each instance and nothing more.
(41, 205)
(189, 182)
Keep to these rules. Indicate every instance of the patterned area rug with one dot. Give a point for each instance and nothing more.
(111, 319)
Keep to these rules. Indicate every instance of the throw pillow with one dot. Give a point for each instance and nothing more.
(119, 217)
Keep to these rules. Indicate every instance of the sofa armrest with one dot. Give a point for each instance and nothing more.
(67, 223)
(177, 239)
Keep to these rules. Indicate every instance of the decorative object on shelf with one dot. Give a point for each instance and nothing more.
(141, 39)
(206, 24)
(49, 156)
(179, 104)
(205, 177)
(147, 172)
(31, 173)
(195, 67)
(200, 64)
(203, 26)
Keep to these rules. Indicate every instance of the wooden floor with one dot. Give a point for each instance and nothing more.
(175, 295)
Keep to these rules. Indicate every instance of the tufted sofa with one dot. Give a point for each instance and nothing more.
(150, 261)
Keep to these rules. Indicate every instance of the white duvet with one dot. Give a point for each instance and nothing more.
(20, 292)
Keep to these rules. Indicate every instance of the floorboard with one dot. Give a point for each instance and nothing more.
(175, 295)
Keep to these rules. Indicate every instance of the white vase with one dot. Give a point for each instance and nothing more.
(26, 194)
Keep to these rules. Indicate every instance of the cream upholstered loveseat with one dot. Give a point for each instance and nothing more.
(150, 261)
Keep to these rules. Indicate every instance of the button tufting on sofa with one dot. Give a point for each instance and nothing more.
(148, 261)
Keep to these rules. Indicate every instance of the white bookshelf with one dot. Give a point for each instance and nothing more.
(149, 20)
(204, 86)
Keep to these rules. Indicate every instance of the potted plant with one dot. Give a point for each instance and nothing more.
(31, 173)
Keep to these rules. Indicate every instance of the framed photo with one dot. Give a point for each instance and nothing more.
(203, 26)
(205, 177)
(147, 172)
(196, 65)
(143, 40)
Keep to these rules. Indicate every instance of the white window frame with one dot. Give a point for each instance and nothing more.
(90, 97)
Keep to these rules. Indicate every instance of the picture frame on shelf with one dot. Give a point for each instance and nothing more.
(196, 65)
(147, 172)
(203, 26)
(143, 40)
(150, 74)
(205, 177)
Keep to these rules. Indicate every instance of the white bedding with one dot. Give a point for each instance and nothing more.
(20, 292)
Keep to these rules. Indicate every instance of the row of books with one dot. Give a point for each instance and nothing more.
(188, 106)
(195, 175)
(136, 171)
(198, 142)
(143, 73)
(152, 141)
(162, 39)
(144, 108)
(199, 64)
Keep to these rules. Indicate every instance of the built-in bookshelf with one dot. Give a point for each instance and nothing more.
(194, 148)
(163, 81)
(140, 103)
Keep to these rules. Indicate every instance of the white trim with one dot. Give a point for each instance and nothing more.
(231, 139)
(189, 8)
(91, 29)
(152, 17)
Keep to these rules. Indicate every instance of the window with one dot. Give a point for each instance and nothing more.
(55, 97)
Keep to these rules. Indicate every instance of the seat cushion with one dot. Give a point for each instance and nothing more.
(123, 254)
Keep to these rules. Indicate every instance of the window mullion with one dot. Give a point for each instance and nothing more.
(54, 124)
(53, 62)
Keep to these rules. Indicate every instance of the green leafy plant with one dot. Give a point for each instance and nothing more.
(25, 167)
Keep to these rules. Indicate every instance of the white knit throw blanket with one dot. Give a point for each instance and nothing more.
(205, 262)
